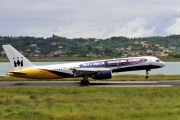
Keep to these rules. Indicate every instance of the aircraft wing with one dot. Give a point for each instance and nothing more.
(82, 71)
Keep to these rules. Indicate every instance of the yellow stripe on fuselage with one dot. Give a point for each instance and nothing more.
(33, 73)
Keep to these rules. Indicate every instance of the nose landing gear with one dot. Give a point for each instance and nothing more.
(147, 73)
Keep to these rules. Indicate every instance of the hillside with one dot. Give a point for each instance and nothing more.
(56, 46)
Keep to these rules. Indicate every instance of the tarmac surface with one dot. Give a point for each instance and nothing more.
(92, 83)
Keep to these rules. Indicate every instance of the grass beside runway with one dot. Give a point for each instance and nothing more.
(128, 77)
(89, 103)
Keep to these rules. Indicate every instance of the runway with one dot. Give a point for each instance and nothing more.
(92, 83)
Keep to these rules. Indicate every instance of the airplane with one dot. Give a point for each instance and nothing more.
(98, 70)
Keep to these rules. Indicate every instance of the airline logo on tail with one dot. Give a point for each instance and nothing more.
(18, 62)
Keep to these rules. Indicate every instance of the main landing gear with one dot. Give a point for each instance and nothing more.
(85, 80)
(147, 73)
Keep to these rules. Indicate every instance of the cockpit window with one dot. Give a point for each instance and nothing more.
(157, 60)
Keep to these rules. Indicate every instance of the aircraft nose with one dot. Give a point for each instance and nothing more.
(163, 64)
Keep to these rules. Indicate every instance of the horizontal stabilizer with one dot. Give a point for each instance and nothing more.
(18, 73)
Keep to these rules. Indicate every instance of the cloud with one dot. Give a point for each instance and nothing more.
(82, 18)
(64, 32)
(174, 29)
(134, 28)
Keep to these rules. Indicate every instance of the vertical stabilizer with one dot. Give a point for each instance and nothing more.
(17, 60)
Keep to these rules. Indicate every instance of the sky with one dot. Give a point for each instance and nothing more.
(89, 18)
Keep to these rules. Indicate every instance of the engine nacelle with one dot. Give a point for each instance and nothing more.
(102, 75)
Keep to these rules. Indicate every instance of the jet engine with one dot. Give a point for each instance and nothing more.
(102, 75)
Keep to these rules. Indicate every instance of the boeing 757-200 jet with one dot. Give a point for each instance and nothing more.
(99, 70)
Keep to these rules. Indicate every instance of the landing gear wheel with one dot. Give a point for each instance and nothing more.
(83, 82)
(147, 77)
(87, 83)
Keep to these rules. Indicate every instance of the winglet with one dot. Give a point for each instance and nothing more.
(17, 60)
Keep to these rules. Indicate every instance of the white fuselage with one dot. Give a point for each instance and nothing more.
(78, 69)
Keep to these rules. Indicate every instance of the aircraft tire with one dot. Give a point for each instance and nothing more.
(83, 82)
